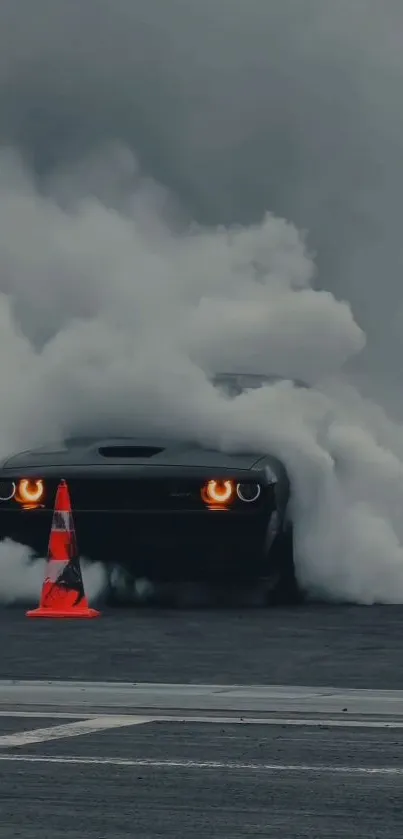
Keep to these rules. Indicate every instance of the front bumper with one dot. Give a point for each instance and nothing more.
(161, 546)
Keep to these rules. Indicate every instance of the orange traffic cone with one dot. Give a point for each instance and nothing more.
(63, 593)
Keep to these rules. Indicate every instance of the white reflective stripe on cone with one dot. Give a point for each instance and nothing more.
(62, 521)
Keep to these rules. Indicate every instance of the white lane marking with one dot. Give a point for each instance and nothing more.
(73, 729)
(157, 699)
(273, 721)
(139, 719)
(206, 764)
(48, 715)
(280, 721)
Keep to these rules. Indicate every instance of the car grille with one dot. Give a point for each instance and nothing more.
(131, 494)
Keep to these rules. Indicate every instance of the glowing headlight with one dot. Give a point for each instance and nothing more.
(7, 490)
(29, 492)
(218, 492)
(248, 492)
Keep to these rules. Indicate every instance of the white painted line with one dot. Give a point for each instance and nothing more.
(206, 764)
(69, 715)
(273, 721)
(73, 729)
(48, 715)
(139, 719)
(157, 699)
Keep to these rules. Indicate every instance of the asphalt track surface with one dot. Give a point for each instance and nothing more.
(358, 647)
(225, 763)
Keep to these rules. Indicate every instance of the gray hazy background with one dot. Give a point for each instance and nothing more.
(188, 185)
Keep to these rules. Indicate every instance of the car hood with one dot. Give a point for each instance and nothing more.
(132, 451)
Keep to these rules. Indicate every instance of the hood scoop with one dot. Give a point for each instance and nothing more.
(130, 451)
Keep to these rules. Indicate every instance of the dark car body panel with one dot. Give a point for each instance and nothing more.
(162, 453)
(147, 514)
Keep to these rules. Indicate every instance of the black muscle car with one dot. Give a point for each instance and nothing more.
(159, 509)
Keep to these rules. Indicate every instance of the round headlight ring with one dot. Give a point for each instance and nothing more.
(248, 493)
(218, 492)
(30, 491)
(7, 490)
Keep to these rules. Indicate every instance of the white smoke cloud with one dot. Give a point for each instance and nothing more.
(113, 307)
(22, 575)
